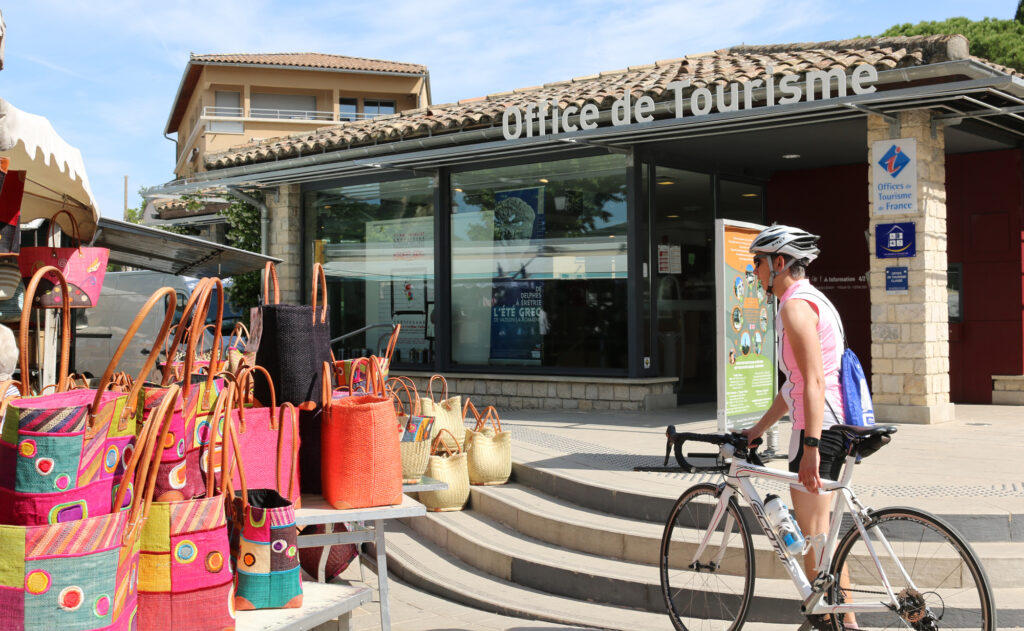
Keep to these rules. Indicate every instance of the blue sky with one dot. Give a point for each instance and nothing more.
(105, 73)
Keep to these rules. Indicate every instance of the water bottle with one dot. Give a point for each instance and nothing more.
(785, 526)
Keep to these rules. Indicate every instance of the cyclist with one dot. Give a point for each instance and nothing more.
(811, 348)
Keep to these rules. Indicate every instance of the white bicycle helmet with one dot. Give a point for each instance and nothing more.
(793, 242)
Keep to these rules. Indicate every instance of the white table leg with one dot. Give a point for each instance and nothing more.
(382, 575)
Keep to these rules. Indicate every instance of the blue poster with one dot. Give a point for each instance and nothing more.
(517, 321)
(895, 240)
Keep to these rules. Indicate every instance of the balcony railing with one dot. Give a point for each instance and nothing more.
(307, 115)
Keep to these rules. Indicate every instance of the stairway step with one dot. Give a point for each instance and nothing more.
(559, 522)
(506, 554)
(997, 526)
(430, 568)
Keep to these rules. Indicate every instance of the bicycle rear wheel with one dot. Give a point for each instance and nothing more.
(714, 592)
(950, 588)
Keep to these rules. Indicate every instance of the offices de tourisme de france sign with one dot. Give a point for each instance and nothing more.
(544, 117)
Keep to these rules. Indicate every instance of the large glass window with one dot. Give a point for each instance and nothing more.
(376, 242)
(376, 107)
(740, 201)
(539, 265)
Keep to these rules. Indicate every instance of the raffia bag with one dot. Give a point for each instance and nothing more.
(488, 449)
(415, 454)
(447, 413)
(450, 468)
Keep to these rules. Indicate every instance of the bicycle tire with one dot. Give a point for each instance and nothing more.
(716, 598)
(952, 582)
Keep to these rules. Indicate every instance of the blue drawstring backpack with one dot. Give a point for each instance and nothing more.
(857, 406)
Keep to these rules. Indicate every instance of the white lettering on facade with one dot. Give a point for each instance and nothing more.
(545, 117)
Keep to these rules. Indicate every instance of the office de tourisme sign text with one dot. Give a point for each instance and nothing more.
(544, 117)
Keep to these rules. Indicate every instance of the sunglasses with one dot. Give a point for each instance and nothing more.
(757, 260)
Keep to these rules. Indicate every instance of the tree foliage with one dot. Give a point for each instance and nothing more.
(244, 234)
(999, 41)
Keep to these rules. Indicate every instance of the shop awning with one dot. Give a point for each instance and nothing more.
(54, 169)
(162, 251)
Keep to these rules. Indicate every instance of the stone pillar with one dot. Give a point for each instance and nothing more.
(910, 332)
(284, 209)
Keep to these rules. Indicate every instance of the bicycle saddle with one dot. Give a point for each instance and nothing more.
(865, 439)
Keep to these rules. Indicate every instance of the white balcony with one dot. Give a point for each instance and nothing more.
(282, 115)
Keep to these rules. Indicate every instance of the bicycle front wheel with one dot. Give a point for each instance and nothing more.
(714, 590)
(938, 580)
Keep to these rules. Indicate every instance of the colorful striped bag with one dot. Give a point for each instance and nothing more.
(62, 455)
(264, 546)
(81, 574)
(185, 580)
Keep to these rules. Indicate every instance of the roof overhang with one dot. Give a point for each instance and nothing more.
(55, 172)
(954, 90)
(162, 251)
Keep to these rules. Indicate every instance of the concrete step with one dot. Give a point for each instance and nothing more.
(978, 526)
(506, 554)
(555, 521)
(432, 569)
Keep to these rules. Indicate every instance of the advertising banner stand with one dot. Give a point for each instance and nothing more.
(747, 370)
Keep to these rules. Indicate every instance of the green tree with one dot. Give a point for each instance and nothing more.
(244, 234)
(999, 41)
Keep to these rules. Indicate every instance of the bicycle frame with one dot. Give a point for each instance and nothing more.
(738, 480)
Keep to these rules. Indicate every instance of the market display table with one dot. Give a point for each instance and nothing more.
(324, 606)
(315, 510)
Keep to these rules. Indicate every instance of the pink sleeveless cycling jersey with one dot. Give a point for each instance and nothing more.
(830, 334)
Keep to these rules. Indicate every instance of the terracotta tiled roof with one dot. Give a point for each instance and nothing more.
(311, 60)
(707, 69)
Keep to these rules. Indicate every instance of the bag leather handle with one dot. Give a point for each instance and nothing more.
(430, 388)
(270, 274)
(65, 338)
(245, 377)
(411, 395)
(293, 464)
(225, 399)
(180, 330)
(437, 439)
(154, 432)
(76, 236)
(230, 459)
(164, 293)
(319, 279)
(392, 341)
(196, 331)
(239, 335)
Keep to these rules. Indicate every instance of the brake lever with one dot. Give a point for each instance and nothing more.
(670, 434)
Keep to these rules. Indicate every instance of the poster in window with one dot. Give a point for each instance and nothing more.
(518, 321)
(746, 330)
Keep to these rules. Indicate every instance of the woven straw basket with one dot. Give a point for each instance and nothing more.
(488, 449)
(450, 468)
(447, 413)
(415, 456)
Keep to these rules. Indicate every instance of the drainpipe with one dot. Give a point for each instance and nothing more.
(264, 215)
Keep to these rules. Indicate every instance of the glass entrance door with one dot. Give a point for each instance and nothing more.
(684, 275)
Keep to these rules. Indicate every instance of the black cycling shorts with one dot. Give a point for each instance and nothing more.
(830, 448)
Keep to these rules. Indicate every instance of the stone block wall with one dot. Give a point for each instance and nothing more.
(284, 210)
(1008, 389)
(910, 332)
(517, 392)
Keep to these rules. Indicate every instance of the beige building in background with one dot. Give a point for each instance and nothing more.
(228, 101)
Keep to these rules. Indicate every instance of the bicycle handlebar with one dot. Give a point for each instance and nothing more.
(738, 441)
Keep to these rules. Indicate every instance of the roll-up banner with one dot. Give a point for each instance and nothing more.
(747, 372)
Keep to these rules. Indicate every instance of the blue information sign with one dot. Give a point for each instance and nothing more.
(893, 240)
(897, 280)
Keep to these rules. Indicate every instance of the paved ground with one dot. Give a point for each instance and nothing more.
(970, 466)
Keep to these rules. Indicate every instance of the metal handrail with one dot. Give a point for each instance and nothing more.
(260, 112)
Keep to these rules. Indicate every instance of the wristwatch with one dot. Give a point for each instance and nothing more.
(810, 442)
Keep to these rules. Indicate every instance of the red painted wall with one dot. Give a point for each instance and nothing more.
(985, 206)
(985, 215)
(832, 202)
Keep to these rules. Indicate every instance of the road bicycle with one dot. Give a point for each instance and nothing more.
(899, 568)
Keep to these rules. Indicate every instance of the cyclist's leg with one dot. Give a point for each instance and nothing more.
(812, 510)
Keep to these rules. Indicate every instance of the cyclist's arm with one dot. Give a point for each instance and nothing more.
(771, 417)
